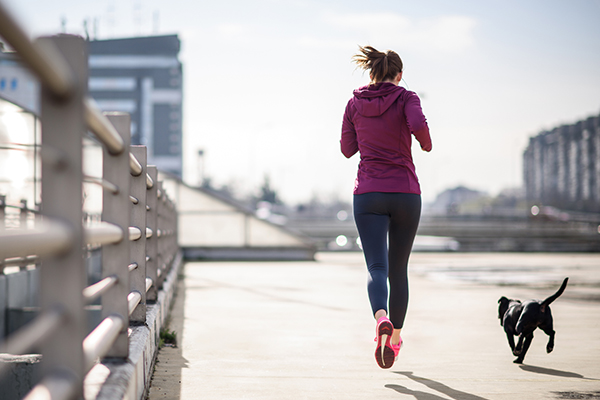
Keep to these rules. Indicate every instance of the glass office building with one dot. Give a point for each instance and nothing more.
(143, 76)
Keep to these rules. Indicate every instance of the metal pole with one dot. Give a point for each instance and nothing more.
(63, 278)
(49, 238)
(137, 278)
(161, 256)
(136, 167)
(116, 209)
(151, 242)
(2, 225)
(101, 127)
(99, 341)
(23, 215)
(2, 211)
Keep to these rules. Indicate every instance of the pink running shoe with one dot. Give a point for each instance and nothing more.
(396, 348)
(385, 354)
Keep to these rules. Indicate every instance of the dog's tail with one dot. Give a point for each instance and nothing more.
(555, 295)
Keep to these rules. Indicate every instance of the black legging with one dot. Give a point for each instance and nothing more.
(375, 215)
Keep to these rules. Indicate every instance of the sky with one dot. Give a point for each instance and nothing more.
(266, 82)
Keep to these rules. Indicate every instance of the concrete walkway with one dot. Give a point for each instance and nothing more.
(303, 330)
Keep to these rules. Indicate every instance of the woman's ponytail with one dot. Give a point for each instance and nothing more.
(382, 66)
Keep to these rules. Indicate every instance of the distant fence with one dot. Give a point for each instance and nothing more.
(137, 230)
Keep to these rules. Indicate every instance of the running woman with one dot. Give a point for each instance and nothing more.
(378, 123)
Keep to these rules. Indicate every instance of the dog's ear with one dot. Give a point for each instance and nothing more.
(501, 299)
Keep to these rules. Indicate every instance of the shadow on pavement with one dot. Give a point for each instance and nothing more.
(259, 292)
(437, 386)
(554, 372)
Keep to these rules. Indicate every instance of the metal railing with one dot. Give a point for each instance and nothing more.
(137, 234)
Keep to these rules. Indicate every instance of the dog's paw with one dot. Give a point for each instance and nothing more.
(549, 349)
(518, 361)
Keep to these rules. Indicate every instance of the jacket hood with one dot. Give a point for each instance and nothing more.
(374, 100)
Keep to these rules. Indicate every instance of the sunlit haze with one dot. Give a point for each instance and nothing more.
(266, 81)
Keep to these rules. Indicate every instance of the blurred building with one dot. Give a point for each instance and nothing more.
(17, 84)
(19, 132)
(449, 201)
(562, 167)
(143, 76)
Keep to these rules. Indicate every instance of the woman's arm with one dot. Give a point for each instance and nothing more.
(348, 142)
(417, 123)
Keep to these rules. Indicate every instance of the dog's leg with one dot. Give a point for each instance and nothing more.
(511, 341)
(528, 340)
(550, 345)
(550, 332)
(519, 349)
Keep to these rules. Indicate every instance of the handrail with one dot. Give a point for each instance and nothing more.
(48, 238)
(133, 300)
(135, 166)
(103, 233)
(59, 63)
(21, 260)
(19, 208)
(99, 341)
(96, 290)
(53, 238)
(111, 187)
(44, 61)
(135, 233)
(102, 128)
(149, 182)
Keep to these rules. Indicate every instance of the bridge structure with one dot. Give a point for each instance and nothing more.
(470, 233)
(109, 356)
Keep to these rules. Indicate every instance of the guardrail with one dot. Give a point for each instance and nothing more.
(137, 233)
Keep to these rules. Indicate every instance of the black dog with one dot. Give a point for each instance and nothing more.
(521, 319)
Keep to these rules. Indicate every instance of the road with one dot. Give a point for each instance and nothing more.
(303, 330)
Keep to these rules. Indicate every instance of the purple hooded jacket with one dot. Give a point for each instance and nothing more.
(378, 123)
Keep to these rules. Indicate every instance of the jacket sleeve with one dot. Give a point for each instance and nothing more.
(416, 121)
(348, 143)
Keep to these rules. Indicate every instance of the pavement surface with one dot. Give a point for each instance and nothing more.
(303, 330)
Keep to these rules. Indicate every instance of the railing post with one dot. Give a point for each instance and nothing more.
(175, 241)
(23, 215)
(2, 225)
(167, 247)
(2, 211)
(172, 236)
(160, 226)
(23, 225)
(116, 209)
(63, 277)
(137, 279)
(152, 242)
